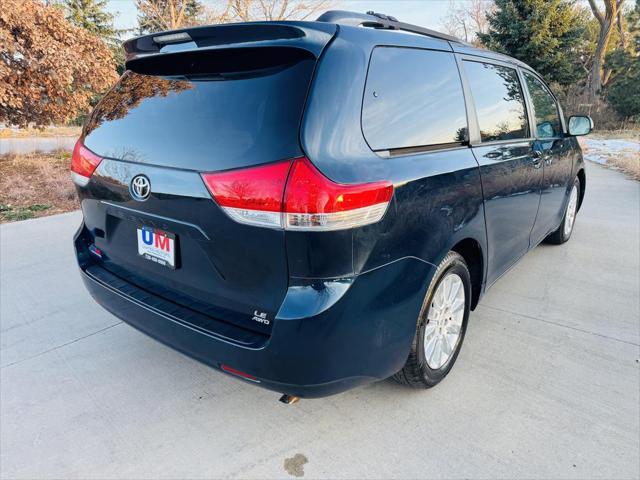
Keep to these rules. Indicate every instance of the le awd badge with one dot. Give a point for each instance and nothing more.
(260, 317)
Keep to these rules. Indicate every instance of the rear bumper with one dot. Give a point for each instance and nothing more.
(327, 337)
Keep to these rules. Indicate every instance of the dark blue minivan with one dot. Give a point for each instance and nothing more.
(311, 206)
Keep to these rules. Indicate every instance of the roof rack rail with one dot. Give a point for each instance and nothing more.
(381, 21)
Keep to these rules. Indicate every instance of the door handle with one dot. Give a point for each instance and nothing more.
(537, 158)
(494, 154)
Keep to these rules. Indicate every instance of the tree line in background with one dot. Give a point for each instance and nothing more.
(57, 57)
(588, 51)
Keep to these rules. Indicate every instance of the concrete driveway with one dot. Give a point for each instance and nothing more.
(547, 384)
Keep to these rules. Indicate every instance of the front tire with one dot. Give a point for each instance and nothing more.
(564, 231)
(441, 325)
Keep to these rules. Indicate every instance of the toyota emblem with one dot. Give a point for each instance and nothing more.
(140, 188)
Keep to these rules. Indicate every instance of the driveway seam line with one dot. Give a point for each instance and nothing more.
(560, 325)
(59, 346)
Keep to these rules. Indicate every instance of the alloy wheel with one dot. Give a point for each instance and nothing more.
(571, 211)
(444, 321)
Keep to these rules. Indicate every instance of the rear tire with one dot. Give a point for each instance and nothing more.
(564, 231)
(442, 324)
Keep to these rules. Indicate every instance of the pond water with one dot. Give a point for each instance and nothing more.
(33, 144)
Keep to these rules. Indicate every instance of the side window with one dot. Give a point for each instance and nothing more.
(547, 119)
(499, 102)
(413, 98)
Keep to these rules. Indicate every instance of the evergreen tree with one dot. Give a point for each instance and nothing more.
(624, 93)
(91, 15)
(546, 34)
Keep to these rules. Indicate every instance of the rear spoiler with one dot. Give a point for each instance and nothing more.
(310, 36)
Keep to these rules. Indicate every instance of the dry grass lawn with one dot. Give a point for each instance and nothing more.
(627, 164)
(628, 134)
(35, 185)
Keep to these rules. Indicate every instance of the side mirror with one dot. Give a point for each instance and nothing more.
(580, 125)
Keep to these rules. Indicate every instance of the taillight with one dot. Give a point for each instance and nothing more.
(83, 163)
(251, 195)
(313, 202)
(294, 195)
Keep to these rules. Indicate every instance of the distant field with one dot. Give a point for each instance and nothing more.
(44, 132)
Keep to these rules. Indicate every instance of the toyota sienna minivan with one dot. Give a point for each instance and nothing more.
(311, 206)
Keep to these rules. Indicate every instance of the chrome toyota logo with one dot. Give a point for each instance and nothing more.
(140, 188)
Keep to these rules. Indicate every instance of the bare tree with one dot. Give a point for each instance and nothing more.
(218, 12)
(156, 15)
(606, 21)
(465, 21)
(252, 10)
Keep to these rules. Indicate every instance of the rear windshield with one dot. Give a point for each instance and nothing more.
(205, 110)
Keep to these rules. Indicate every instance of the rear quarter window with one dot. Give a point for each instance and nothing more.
(413, 98)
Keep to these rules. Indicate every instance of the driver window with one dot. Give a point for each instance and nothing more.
(547, 119)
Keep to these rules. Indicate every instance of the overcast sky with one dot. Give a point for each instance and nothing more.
(426, 13)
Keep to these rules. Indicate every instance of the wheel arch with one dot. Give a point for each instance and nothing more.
(583, 186)
(471, 250)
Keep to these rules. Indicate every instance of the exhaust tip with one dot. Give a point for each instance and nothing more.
(289, 399)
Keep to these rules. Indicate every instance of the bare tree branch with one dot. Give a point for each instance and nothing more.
(621, 32)
(252, 10)
(596, 11)
(467, 20)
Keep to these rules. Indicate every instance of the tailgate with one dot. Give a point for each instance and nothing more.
(170, 119)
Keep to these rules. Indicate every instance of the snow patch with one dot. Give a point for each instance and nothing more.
(599, 151)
